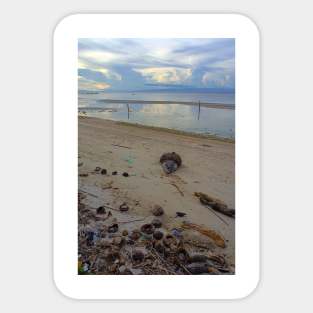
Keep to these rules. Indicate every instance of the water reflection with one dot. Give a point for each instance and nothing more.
(219, 122)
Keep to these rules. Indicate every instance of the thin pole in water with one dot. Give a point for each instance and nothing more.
(127, 111)
(199, 111)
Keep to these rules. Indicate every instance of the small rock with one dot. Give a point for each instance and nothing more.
(147, 229)
(113, 228)
(125, 174)
(114, 173)
(97, 169)
(180, 214)
(101, 210)
(169, 241)
(157, 210)
(138, 255)
(104, 171)
(156, 223)
(125, 232)
(157, 235)
(124, 207)
(83, 174)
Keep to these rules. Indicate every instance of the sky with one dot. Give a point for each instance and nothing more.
(152, 64)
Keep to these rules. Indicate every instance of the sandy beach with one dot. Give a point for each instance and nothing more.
(208, 166)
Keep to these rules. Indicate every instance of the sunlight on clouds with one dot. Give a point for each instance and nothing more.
(165, 74)
(104, 71)
(87, 84)
(108, 73)
(99, 56)
(135, 64)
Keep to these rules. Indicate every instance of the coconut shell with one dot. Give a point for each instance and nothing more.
(173, 156)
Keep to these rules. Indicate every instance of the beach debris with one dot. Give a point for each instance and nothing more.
(83, 268)
(157, 210)
(156, 223)
(114, 173)
(158, 246)
(125, 174)
(158, 235)
(113, 228)
(83, 174)
(197, 268)
(130, 160)
(217, 238)
(101, 210)
(107, 248)
(180, 214)
(124, 207)
(170, 162)
(169, 241)
(137, 255)
(147, 229)
(176, 233)
(97, 169)
(121, 146)
(135, 235)
(198, 258)
(178, 189)
(215, 204)
(104, 171)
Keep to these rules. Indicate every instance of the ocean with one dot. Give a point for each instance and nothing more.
(175, 110)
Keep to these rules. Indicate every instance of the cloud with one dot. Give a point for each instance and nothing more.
(165, 74)
(110, 74)
(87, 84)
(134, 63)
(216, 79)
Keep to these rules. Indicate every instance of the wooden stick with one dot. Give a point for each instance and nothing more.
(217, 215)
(199, 111)
(173, 184)
(121, 146)
(89, 193)
(162, 261)
(138, 220)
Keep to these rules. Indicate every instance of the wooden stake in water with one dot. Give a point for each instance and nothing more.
(127, 111)
(199, 111)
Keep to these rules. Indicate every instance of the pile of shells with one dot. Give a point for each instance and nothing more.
(107, 247)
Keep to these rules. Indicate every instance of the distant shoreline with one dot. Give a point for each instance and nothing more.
(203, 104)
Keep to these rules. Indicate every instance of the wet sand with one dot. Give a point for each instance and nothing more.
(208, 167)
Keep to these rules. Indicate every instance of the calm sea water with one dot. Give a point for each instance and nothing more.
(220, 122)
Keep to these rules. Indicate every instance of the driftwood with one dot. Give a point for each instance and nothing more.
(215, 204)
(217, 238)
